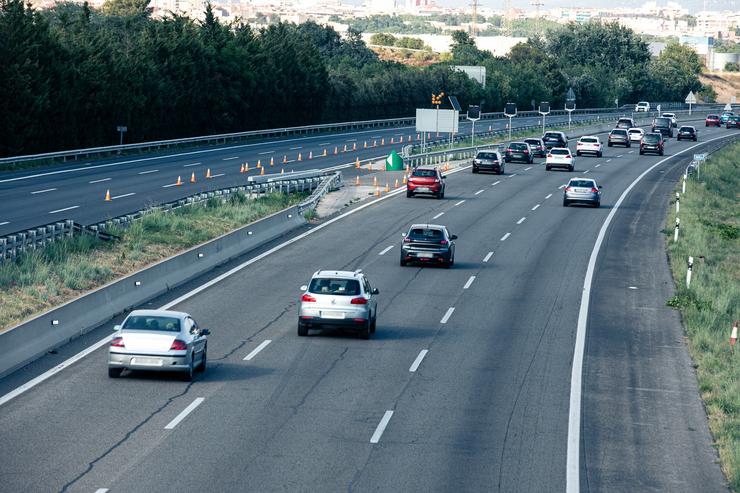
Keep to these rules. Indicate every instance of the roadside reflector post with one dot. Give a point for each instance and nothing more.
(678, 200)
(733, 336)
(688, 272)
(675, 232)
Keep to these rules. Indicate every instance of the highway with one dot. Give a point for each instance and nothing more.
(76, 191)
(465, 386)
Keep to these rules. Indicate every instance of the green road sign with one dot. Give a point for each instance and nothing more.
(393, 162)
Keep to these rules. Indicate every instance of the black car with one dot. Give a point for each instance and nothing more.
(428, 243)
(663, 125)
(519, 151)
(687, 133)
(652, 142)
(619, 136)
(537, 146)
(488, 161)
(733, 122)
(555, 139)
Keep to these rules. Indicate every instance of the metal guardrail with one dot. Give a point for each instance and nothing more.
(275, 132)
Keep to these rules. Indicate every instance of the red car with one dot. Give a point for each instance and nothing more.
(712, 120)
(426, 179)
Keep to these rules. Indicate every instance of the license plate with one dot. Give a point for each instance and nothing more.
(422, 189)
(337, 315)
(582, 190)
(426, 255)
(146, 361)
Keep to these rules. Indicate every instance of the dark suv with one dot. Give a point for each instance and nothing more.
(428, 243)
(652, 142)
(687, 132)
(555, 139)
(663, 125)
(733, 122)
(488, 161)
(619, 136)
(519, 151)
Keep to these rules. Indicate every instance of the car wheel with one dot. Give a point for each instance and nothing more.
(661, 153)
(694, 139)
(565, 203)
(641, 153)
(409, 194)
(402, 263)
(598, 154)
(204, 361)
(302, 330)
(190, 372)
(547, 168)
(571, 168)
(365, 333)
(114, 372)
(597, 204)
(374, 324)
(475, 170)
(609, 144)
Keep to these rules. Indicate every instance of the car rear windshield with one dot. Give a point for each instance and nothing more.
(625, 120)
(662, 122)
(518, 146)
(581, 183)
(426, 234)
(651, 138)
(635, 131)
(533, 141)
(712, 117)
(425, 173)
(619, 132)
(685, 129)
(560, 152)
(141, 322)
(487, 155)
(552, 136)
(590, 140)
(334, 286)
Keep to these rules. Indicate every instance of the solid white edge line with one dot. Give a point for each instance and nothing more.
(488, 257)
(43, 191)
(184, 414)
(438, 215)
(470, 281)
(536, 207)
(53, 371)
(521, 220)
(147, 172)
(573, 466)
(447, 315)
(381, 427)
(503, 238)
(99, 181)
(257, 350)
(415, 365)
(65, 209)
(385, 250)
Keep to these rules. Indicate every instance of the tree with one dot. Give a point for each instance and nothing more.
(127, 8)
(383, 39)
(675, 72)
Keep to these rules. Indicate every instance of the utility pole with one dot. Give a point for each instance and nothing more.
(474, 20)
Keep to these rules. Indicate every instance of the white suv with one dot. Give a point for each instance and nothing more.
(588, 144)
(642, 106)
(336, 298)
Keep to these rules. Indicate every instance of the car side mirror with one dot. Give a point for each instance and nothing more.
(304, 288)
(375, 291)
(403, 235)
(600, 187)
(116, 328)
(444, 177)
(205, 332)
(453, 237)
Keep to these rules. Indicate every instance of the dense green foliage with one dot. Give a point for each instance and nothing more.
(71, 74)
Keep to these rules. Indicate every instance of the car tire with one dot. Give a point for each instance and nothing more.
(475, 170)
(302, 330)
(641, 153)
(661, 153)
(565, 203)
(578, 153)
(695, 139)
(190, 372)
(598, 154)
(204, 361)
(365, 333)
(374, 325)
(609, 144)
(547, 168)
(597, 204)
(114, 372)
(571, 168)
(409, 194)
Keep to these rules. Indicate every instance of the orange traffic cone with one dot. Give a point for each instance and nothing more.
(336, 150)
(310, 154)
(179, 181)
(285, 159)
(387, 187)
(192, 177)
(375, 143)
(246, 167)
(357, 163)
(392, 141)
(325, 152)
(107, 195)
(300, 158)
(272, 161)
(365, 146)
(447, 166)
(241, 170)
(400, 140)
(357, 180)
(377, 191)
(395, 185)
(282, 171)
(354, 146)
(262, 171)
(404, 179)
(382, 141)
(259, 163)
(208, 173)
(345, 148)
(375, 181)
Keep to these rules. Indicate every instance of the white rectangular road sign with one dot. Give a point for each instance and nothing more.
(700, 157)
(429, 120)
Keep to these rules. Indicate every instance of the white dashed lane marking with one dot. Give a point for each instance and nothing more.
(147, 172)
(488, 257)
(62, 210)
(385, 250)
(122, 196)
(43, 191)
(447, 315)
(479, 192)
(535, 207)
(381, 427)
(521, 220)
(438, 215)
(460, 203)
(184, 414)
(99, 181)
(496, 183)
(548, 196)
(189, 165)
(230, 158)
(470, 281)
(418, 360)
(256, 350)
(503, 238)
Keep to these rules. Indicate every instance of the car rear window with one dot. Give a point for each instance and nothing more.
(141, 322)
(619, 132)
(663, 121)
(635, 131)
(552, 136)
(581, 183)
(560, 152)
(685, 129)
(535, 142)
(334, 286)
(426, 234)
(651, 138)
(518, 146)
(425, 173)
(625, 120)
(590, 140)
(712, 117)
(487, 155)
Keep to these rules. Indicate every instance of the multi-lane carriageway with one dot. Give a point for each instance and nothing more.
(76, 191)
(466, 386)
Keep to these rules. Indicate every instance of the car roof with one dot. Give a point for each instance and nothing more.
(635, 128)
(158, 313)
(581, 178)
(669, 114)
(428, 226)
(538, 139)
(713, 114)
(589, 136)
(344, 274)
(560, 149)
(425, 167)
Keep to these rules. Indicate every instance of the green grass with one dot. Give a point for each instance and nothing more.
(710, 228)
(45, 278)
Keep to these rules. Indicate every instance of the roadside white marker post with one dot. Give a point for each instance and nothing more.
(733, 337)
(675, 233)
(678, 199)
(688, 272)
(683, 186)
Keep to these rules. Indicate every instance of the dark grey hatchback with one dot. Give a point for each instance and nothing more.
(428, 243)
(488, 161)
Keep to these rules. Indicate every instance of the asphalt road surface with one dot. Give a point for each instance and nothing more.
(464, 387)
(76, 191)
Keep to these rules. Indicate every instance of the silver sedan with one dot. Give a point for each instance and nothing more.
(582, 191)
(158, 340)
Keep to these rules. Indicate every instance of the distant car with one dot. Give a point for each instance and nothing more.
(687, 133)
(672, 116)
(338, 299)
(663, 125)
(555, 139)
(619, 137)
(635, 134)
(588, 144)
(537, 146)
(428, 243)
(725, 116)
(652, 142)
(642, 106)
(712, 121)
(426, 179)
(582, 191)
(625, 122)
(488, 160)
(559, 157)
(519, 151)
(158, 340)
(733, 122)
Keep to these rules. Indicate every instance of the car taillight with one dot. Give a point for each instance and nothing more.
(443, 242)
(569, 156)
(407, 240)
(526, 151)
(568, 189)
(549, 155)
(594, 190)
(308, 298)
(117, 342)
(178, 345)
(359, 301)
